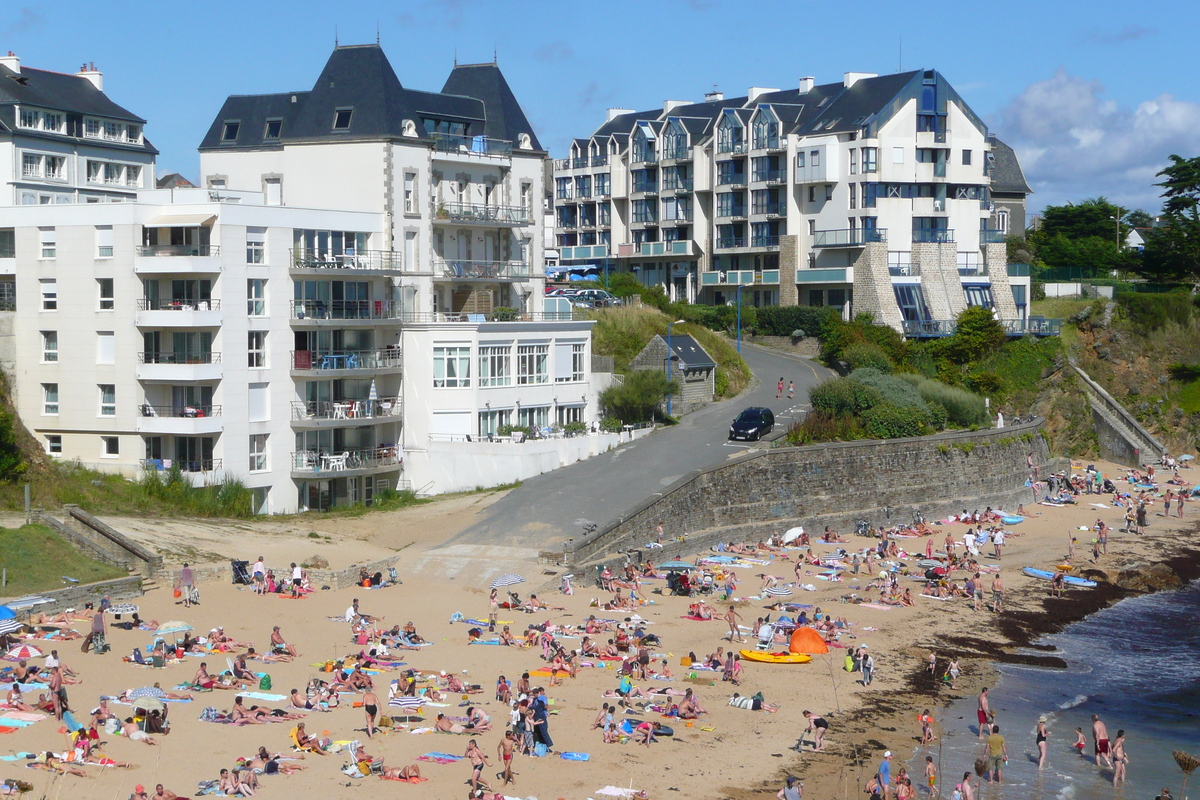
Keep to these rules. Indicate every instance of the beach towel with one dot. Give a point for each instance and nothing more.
(617, 791)
(405, 780)
(17, 757)
(445, 756)
(877, 606)
(262, 696)
(22, 716)
(575, 756)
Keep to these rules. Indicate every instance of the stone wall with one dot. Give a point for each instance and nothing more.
(697, 387)
(118, 590)
(138, 557)
(938, 267)
(809, 346)
(789, 262)
(882, 481)
(92, 549)
(873, 286)
(995, 256)
(317, 578)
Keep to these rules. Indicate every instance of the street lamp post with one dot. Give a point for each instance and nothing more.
(739, 318)
(669, 351)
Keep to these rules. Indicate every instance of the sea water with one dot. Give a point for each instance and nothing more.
(1136, 664)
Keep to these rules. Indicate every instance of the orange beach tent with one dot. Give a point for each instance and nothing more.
(807, 640)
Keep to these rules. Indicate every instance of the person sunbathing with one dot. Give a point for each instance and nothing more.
(17, 701)
(134, 733)
(506, 637)
(755, 703)
(503, 690)
(456, 686)
(906, 598)
(444, 725)
(305, 742)
(478, 720)
(411, 772)
(588, 647)
(701, 610)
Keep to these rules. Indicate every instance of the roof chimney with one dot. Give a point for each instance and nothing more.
(806, 84)
(90, 73)
(756, 92)
(11, 61)
(671, 105)
(851, 78)
(613, 113)
(714, 97)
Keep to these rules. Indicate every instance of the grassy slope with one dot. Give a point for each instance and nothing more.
(37, 560)
(623, 332)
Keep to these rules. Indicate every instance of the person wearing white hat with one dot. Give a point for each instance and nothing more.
(885, 775)
(1042, 735)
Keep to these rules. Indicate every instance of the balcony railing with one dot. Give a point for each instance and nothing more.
(564, 194)
(731, 212)
(767, 143)
(643, 157)
(732, 179)
(562, 163)
(496, 315)
(345, 309)
(991, 236)
(649, 187)
(929, 328)
(774, 209)
(935, 328)
(933, 236)
(211, 304)
(599, 161)
(677, 153)
(483, 270)
(728, 242)
(345, 409)
(904, 270)
(179, 250)
(677, 185)
(732, 148)
(770, 175)
(473, 212)
(346, 359)
(578, 163)
(854, 237)
(764, 241)
(187, 411)
(372, 458)
(645, 219)
(969, 270)
(363, 259)
(8, 251)
(183, 465)
(471, 145)
(179, 358)
(680, 217)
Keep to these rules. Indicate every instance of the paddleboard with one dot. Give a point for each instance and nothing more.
(1068, 579)
(776, 658)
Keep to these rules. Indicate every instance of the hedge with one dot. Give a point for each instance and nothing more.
(887, 421)
(896, 391)
(844, 396)
(785, 320)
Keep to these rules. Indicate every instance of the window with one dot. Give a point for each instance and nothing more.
(812, 194)
(50, 399)
(853, 161)
(1002, 220)
(535, 417)
(812, 227)
(104, 241)
(868, 159)
(495, 365)
(274, 128)
(8, 243)
(52, 122)
(531, 363)
(91, 128)
(256, 297)
(814, 158)
(133, 133)
(490, 421)
(256, 349)
(527, 199)
(828, 192)
(105, 288)
(569, 414)
(258, 452)
(410, 250)
(114, 131)
(29, 119)
(56, 167)
(451, 367)
(31, 166)
(800, 160)
(410, 193)
(230, 132)
(54, 445)
(49, 347)
(133, 176)
(256, 245)
(106, 347)
(568, 362)
(911, 301)
(49, 242)
(978, 295)
(108, 400)
(94, 170)
(112, 174)
(49, 294)
(341, 119)
(853, 187)
(110, 446)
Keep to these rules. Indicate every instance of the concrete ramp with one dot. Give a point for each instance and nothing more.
(1122, 438)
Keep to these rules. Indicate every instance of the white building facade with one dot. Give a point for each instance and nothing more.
(868, 195)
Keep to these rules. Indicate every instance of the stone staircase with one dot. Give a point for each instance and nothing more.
(1122, 437)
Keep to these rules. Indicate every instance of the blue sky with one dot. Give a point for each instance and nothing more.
(1093, 97)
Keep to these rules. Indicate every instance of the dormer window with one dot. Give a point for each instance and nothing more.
(91, 128)
(30, 119)
(341, 119)
(230, 133)
(114, 131)
(133, 133)
(274, 128)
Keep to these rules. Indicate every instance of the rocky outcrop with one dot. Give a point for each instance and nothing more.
(1138, 577)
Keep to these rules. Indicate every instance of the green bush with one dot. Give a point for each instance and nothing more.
(638, 397)
(895, 391)
(937, 416)
(963, 409)
(820, 426)
(887, 421)
(1150, 312)
(575, 428)
(783, 320)
(867, 354)
(610, 425)
(838, 336)
(504, 314)
(843, 396)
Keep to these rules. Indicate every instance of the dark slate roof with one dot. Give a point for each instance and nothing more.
(625, 123)
(691, 355)
(485, 82)
(58, 91)
(1007, 175)
(361, 78)
(174, 179)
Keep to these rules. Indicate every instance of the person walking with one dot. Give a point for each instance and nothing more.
(187, 584)
(779, 388)
(867, 665)
(732, 618)
(997, 755)
(1100, 734)
(885, 775)
(791, 389)
(983, 713)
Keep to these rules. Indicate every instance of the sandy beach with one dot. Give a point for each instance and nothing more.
(745, 753)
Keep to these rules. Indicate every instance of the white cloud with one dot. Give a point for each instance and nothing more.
(1074, 143)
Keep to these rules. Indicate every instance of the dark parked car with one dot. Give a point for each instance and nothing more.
(752, 424)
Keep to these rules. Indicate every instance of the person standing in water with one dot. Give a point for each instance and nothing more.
(1120, 758)
(1042, 735)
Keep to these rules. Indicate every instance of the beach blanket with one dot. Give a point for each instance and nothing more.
(17, 757)
(263, 696)
(617, 791)
(699, 619)
(575, 756)
(405, 780)
(441, 758)
(877, 606)
(24, 716)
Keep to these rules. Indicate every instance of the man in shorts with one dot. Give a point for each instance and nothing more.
(478, 762)
(505, 750)
(258, 574)
(997, 755)
(997, 594)
(982, 713)
(978, 581)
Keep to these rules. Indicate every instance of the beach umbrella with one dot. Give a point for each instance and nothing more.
(372, 394)
(778, 591)
(508, 579)
(122, 608)
(807, 640)
(408, 703)
(1185, 458)
(677, 565)
(148, 703)
(7, 613)
(792, 534)
(174, 626)
(147, 691)
(10, 626)
(23, 652)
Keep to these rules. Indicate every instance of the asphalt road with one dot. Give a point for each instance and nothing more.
(557, 505)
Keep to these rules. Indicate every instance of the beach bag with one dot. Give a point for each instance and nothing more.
(178, 593)
(540, 750)
(685, 662)
(265, 683)
(209, 714)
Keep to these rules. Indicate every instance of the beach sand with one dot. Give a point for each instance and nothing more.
(746, 753)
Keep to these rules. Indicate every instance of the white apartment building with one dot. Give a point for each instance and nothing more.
(320, 356)
(872, 194)
(62, 140)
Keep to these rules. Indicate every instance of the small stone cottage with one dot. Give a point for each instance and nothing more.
(691, 366)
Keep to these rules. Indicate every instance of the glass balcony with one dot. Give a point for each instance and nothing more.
(729, 242)
(649, 187)
(346, 409)
(737, 148)
(644, 157)
(735, 179)
(599, 161)
(482, 214)
(677, 185)
(203, 250)
(645, 218)
(771, 209)
(770, 176)
(483, 270)
(933, 236)
(342, 310)
(379, 260)
(183, 465)
(992, 236)
(481, 146)
(764, 241)
(579, 163)
(209, 357)
(731, 212)
(313, 463)
(853, 237)
(333, 360)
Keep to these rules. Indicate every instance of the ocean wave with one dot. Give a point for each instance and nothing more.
(1077, 700)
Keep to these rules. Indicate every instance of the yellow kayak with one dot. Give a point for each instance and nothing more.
(776, 658)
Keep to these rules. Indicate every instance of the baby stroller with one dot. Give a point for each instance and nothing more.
(241, 572)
